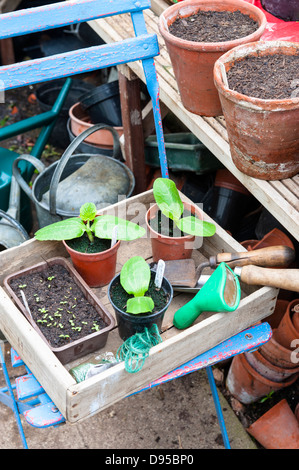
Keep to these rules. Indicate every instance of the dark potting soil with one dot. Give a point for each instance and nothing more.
(58, 307)
(213, 26)
(268, 77)
(120, 297)
(83, 244)
(165, 226)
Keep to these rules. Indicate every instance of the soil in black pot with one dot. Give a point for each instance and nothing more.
(165, 226)
(268, 77)
(213, 26)
(58, 307)
(120, 297)
(83, 244)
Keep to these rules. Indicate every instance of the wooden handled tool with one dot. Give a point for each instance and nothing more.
(184, 272)
(281, 278)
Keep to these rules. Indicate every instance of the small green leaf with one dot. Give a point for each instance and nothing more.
(63, 230)
(103, 227)
(135, 276)
(88, 211)
(194, 226)
(140, 305)
(168, 199)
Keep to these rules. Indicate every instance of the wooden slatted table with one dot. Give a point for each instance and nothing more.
(280, 198)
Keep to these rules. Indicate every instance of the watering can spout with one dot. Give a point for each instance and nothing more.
(221, 293)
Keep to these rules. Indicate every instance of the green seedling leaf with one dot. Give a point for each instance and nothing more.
(168, 199)
(140, 305)
(103, 227)
(135, 276)
(63, 230)
(195, 226)
(88, 211)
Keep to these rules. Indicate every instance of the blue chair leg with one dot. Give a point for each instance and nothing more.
(218, 407)
(12, 402)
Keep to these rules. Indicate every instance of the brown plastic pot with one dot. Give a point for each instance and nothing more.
(263, 134)
(278, 354)
(277, 429)
(267, 369)
(171, 248)
(97, 269)
(286, 331)
(247, 385)
(80, 121)
(80, 347)
(193, 62)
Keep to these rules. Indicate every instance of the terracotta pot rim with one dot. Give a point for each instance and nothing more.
(245, 8)
(261, 378)
(92, 256)
(245, 50)
(159, 235)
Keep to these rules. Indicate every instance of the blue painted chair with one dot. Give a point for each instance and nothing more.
(35, 405)
(144, 47)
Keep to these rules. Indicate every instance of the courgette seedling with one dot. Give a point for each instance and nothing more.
(135, 278)
(170, 204)
(100, 227)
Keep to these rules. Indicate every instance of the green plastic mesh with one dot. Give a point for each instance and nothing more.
(136, 349)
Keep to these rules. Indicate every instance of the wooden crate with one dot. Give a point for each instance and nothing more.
(79, 401)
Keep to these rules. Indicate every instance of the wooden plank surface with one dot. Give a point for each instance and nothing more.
(279, 198)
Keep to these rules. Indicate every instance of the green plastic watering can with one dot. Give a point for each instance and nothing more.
(221, 293)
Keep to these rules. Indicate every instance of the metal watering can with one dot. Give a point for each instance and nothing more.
(59, 190)
(12, 233)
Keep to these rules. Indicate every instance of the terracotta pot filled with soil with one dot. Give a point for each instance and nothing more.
(128, 323)
(167, 241)
(61, 307)
(196, 34)
(96, 263)
(260, 104)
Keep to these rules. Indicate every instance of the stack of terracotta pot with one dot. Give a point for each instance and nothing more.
(273, 366)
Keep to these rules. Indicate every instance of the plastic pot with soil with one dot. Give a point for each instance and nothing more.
(174, 225)
(138, 302)
(92, 242)
(258, 94)
(196, 34)
(61, 308)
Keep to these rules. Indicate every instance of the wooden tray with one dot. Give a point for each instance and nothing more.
(79, 401)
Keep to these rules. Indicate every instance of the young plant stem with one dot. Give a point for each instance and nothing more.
(89, 232)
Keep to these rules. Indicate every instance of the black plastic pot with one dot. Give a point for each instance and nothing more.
(103, 104)
(46, 95)
(129, 324)
(287, 10)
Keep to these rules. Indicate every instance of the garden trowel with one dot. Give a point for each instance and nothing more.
(184, 273)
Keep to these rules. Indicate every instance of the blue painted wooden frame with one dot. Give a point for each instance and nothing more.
(142, 47)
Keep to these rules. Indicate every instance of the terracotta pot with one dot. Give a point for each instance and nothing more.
(193, 62)
(297, 412)
(263, 134)
(97, 269)
(267, 369)
(278, 354)
(287, 10)
(171, 248)
(279, 311)
(80, 121)
(247, 385)
(286, 331)
(277, 429)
